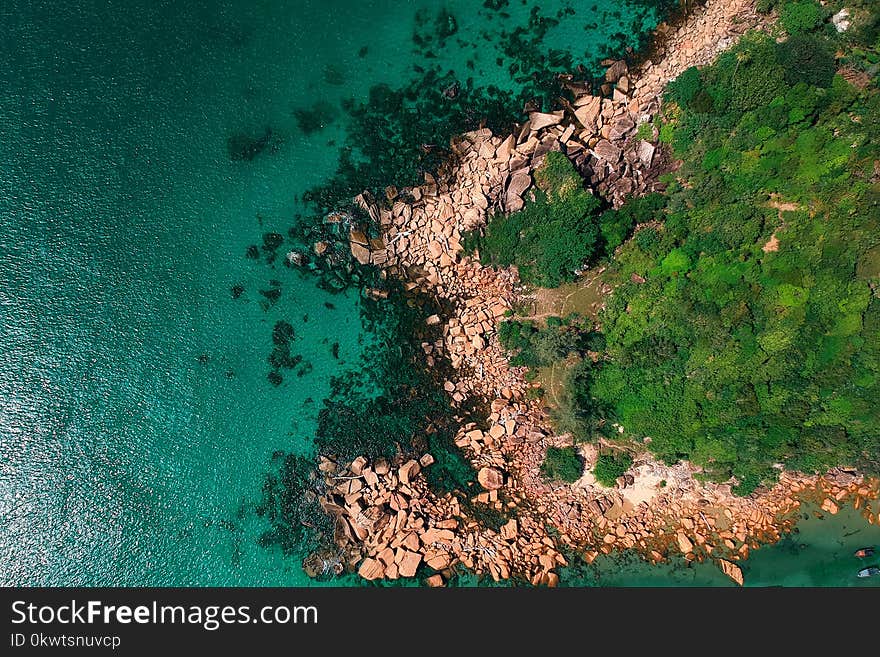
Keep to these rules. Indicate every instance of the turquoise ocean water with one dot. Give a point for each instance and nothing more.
(137, 422)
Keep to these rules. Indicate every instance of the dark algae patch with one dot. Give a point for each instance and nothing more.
(391, 399)
(282, 356)
(244, 147)
(289, 504)
(317, 117)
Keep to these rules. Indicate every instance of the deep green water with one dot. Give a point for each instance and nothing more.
(137, 422)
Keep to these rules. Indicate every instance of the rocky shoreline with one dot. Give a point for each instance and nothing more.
(388, 520)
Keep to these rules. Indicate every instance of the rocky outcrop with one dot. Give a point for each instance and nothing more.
(391, 525)
(388, 520)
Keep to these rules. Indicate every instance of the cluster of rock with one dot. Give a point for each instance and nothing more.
(390, 522)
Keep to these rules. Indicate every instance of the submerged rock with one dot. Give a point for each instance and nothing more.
(245, 147)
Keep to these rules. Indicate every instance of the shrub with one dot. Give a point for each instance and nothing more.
(685, 87)
(645, 131)
(616, 225)
(755, 82)
(806, 58)
(552, 236)
(611, 465)
(648, 239)
(562, 464)
(576, 411)
(802, 16)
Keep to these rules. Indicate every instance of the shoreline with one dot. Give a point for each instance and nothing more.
(389, 521)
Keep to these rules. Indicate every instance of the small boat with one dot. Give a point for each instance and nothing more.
(869, 571)
(864, 552)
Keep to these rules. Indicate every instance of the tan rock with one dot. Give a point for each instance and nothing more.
(412, 542)
(371, 569)
(684, 543)
(541, 120)
(510, 530)
(370, 477)
(621, 128)
(357, 466)
(616, 71)
(646, 153)
(435, 581)
(733, 571)
(490, 478)
(386, 556)
(830, 506)
(358, 237)
(518, 184)
(435, 249)
(408, 471)
(326, 465)
(433, 535)
(408, 563)
(497, 430)
(607, 151)
(360, 253)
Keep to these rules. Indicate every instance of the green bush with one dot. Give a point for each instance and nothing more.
(616, 225)
(806, 58)
(802, 16)
(645, 131)
(648, 239)
(611, 465)
(551, 237)
(562, 464)
(685, 87)
(533, 347)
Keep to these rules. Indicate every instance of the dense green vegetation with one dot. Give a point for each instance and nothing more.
(562, 464)
(755, 338)
(552, 236)
(531, 346)
(561, 230)
(610, 465)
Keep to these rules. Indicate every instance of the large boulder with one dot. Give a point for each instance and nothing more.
(607, 151)
(541, 120)
(371, 569)
(616, 71)
(733, 571)
(490, 478)
(684, 543)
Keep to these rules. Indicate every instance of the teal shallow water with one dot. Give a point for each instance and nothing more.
(137, 423)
